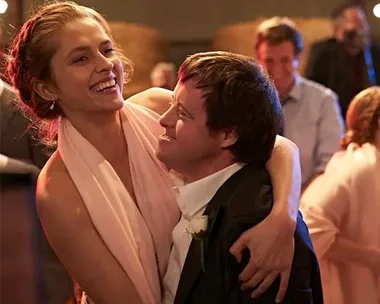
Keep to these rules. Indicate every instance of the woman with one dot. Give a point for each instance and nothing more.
(105, 201)
(342, 209)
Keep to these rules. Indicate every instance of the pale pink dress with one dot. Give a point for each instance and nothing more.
(137, 234)
(345, 201)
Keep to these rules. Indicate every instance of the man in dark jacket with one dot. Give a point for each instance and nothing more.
(346, 63)
(16, 143)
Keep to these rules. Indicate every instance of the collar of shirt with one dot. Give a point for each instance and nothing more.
(295, 92)
(196, 195)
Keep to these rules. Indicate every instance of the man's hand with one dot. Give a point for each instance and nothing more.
(271, 246)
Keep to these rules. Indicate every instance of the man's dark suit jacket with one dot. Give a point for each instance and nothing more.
(16, 143)
(331, 66)
(243, 201)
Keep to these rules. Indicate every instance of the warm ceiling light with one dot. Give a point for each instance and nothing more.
(3, 6)
(376, 10)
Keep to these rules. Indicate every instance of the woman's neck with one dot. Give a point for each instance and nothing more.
(104, 132)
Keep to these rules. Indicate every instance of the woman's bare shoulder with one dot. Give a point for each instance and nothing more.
(57, 195)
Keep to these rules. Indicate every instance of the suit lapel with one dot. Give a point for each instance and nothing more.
(215, 211)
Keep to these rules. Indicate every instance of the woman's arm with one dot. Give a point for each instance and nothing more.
(271, 242)
(155, 99)
(328, 202)
(69, 229)
(285, 171)
(346, 251)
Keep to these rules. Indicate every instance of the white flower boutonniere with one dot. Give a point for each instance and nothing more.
(197, 228)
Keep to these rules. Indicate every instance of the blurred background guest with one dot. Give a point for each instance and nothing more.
(312, 116)
(342, 207)
(17, 143)
(347, 62)
(164, 75)
(15, 139)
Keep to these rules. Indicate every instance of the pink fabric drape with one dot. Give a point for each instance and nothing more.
(138, 234)
(345, 201)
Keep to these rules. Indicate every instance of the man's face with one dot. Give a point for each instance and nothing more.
(352, 29)
(164, 79)
(280, 62)
(187, 145)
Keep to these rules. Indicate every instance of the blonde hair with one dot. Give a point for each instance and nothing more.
(361, 118)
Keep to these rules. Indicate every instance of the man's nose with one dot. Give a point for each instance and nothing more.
(169, 118)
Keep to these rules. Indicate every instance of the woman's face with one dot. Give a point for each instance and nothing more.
(87, 74)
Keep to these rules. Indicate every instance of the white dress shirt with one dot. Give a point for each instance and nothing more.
(192, 201)
(313, 121)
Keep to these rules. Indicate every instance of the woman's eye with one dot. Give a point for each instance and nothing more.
(80, 59)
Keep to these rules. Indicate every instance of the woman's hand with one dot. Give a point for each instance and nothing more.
(271, 246)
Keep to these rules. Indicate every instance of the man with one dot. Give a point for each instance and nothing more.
(163, 75)
(16, 143)
(346, 63)
(20, 274)
(219, 134)
(312, 119)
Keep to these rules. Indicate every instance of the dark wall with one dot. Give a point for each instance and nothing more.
(189, 24)
(198, 19)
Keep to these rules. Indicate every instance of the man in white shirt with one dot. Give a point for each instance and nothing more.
(312, 116)
(219, 134)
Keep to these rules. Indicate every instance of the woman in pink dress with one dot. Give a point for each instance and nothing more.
(342, 209)
(105, 201)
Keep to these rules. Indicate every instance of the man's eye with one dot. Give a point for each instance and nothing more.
(109, 51)
(181, 113)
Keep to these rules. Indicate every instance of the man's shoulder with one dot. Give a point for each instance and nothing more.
(376, 46)
(251, 175)
(317, 91)
(375, 50)
(324, 44)
(253, 193)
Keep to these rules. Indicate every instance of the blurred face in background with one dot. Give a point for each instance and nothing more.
(164, 79)
(164, 76)
(352, 29)
(281, 63)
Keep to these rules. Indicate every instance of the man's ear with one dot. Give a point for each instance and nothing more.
(228, 137)
(45, 90)
(296, 61)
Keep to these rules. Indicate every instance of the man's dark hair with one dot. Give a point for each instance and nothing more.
(339, 11)
(238, 95)
(277, 30)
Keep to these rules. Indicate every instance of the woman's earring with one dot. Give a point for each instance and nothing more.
(52, 106)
